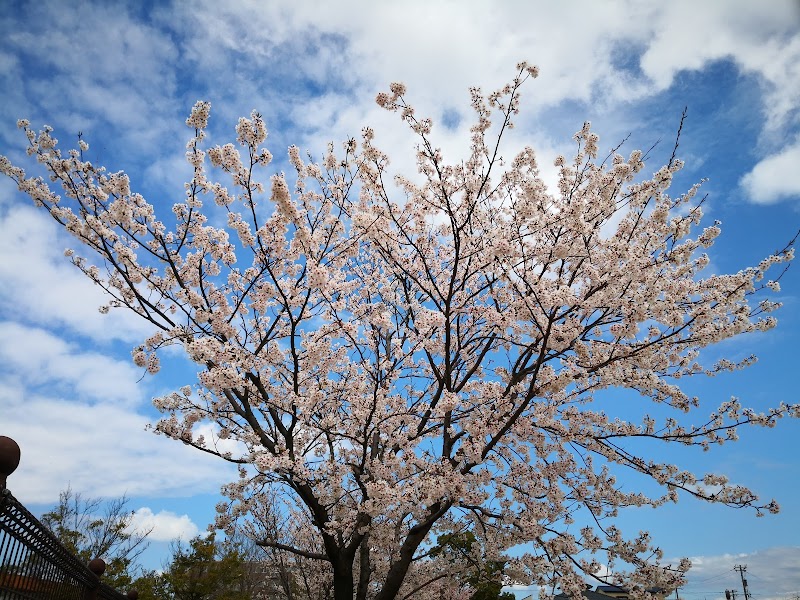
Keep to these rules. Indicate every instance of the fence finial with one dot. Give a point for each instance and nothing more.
(97, 566)
(9, 458)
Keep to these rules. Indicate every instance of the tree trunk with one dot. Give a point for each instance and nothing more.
(364, 569)
(397, 572)
(343, 582)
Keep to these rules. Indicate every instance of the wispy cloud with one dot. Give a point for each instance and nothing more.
(41, 286)
(41, 359)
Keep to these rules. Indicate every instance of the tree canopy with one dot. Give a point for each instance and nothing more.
(402, 359)
(200, 570)
(92, 528)
(482, 578)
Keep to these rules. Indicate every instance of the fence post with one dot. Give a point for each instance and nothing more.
(9, 459)
(96, 566)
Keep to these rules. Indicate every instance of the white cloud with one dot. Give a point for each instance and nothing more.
(760, 42)
(585, 50)
(100, 449)
(164, 526)
(87, 432)
(772, 573)
(775, 178)
(40, 285)
(41, 358)
(605, 56)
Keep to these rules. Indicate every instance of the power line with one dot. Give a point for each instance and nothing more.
(710, 577)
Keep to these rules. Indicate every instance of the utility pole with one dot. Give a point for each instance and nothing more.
(742, 570)
(730, 594)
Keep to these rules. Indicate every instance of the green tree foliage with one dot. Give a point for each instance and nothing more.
(92, 528)
(203, 570)
(151, 585)
(473, 569)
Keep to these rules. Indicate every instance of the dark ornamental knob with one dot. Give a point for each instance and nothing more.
(9, 458)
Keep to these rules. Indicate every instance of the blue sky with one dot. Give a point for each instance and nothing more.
(126, 75)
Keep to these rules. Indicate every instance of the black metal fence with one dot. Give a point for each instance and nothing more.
(34, 565)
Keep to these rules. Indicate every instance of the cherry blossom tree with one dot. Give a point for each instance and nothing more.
(403, 359)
